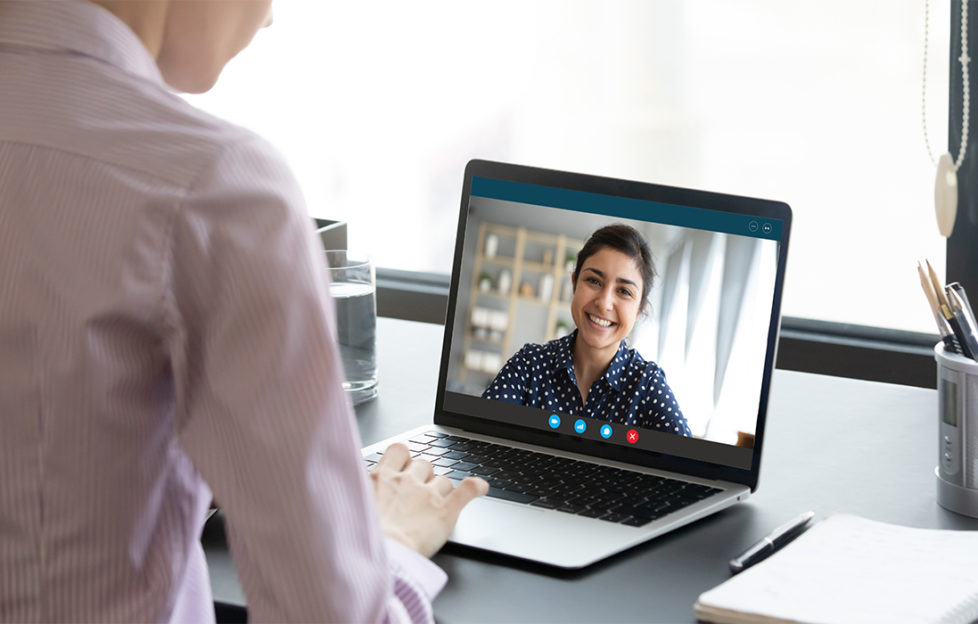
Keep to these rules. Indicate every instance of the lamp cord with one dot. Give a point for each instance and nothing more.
(964, 59)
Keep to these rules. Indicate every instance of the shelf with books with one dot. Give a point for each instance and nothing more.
(517, 274)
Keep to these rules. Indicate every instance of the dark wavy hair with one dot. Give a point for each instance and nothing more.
(627, 240)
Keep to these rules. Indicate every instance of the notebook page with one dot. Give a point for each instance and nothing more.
(851, 569)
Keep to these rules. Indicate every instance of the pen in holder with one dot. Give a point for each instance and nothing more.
(957, 468)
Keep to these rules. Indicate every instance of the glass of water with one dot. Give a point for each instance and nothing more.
(353, 287)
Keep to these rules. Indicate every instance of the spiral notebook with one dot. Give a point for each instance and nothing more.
(851, 569)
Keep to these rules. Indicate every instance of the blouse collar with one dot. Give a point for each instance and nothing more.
(616, 370)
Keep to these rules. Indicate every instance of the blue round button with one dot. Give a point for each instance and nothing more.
(580, 426)
(605, 431)
(554, 421)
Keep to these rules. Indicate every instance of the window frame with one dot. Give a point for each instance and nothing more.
(807, 345)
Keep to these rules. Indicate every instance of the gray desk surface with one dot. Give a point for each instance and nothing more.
(832, 445)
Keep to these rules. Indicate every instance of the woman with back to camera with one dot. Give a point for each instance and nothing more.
(167, 335)
(592, 372)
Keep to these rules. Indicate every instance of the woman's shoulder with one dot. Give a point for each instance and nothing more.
(637, 362)
(532, 349)
(533, 352)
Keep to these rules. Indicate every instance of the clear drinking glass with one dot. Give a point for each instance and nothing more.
(353, 287)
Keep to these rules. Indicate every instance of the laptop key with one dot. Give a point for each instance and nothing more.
(651, 508)
(571, 509)
(444, 462)
(436, 434)
(464, 466)
(543, 503)
(509, 495)
(628, 510)
(496, 482)
(455, 454)
(586, 500)
(457, 475)
(442, 470)
(699, 492)
(636, 522)
(592, 513)
(443, 442)
(483, 471)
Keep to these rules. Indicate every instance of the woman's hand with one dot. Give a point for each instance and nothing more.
(418, 508)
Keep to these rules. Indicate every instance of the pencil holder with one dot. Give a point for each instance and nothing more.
(957, 467)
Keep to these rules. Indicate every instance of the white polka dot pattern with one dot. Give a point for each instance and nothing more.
(632, 391)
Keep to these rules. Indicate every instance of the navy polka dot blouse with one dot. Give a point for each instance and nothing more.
(632, 391)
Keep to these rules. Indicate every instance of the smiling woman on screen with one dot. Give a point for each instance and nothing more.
(592, 372)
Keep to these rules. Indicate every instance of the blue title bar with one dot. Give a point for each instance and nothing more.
(628, 208)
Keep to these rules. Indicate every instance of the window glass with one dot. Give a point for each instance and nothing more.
(377, 105)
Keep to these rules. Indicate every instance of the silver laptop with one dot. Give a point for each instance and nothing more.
(672, 430)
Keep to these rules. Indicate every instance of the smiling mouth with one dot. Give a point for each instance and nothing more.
(600, 322)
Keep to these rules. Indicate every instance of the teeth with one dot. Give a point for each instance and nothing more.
(601, 322)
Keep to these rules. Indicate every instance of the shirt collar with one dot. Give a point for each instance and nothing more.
(615, 372)
(76, 27)
(564, 356)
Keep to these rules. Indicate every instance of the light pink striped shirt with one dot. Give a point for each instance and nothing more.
(165, 326)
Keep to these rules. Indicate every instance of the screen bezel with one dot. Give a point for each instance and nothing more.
(739, 205)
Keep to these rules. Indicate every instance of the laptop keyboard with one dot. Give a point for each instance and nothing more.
(552, 482)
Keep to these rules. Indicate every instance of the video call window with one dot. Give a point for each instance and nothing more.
(702, 333)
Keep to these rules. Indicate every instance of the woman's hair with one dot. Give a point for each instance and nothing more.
(627, 240)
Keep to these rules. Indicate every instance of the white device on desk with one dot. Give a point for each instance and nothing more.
(569, 486)
(957, 470)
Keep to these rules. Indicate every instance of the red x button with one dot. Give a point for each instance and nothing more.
(632, 436)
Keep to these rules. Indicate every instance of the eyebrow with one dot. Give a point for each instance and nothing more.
(620, 280)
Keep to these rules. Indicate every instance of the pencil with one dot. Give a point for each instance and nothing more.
(941, 299)
(932, 300)
(931, 291)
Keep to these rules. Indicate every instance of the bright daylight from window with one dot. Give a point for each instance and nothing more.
(378, 105)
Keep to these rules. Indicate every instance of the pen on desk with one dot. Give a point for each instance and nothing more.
(955, 291)
(959, 332)
(947, 336)
(958, 288)
(968, 335)
(770, 544)
(952, 320)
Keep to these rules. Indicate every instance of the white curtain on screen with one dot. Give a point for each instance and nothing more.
(708, 327)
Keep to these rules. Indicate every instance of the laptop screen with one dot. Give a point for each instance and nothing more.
(627, 320)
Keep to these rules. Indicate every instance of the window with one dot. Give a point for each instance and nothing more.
(377, 106)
